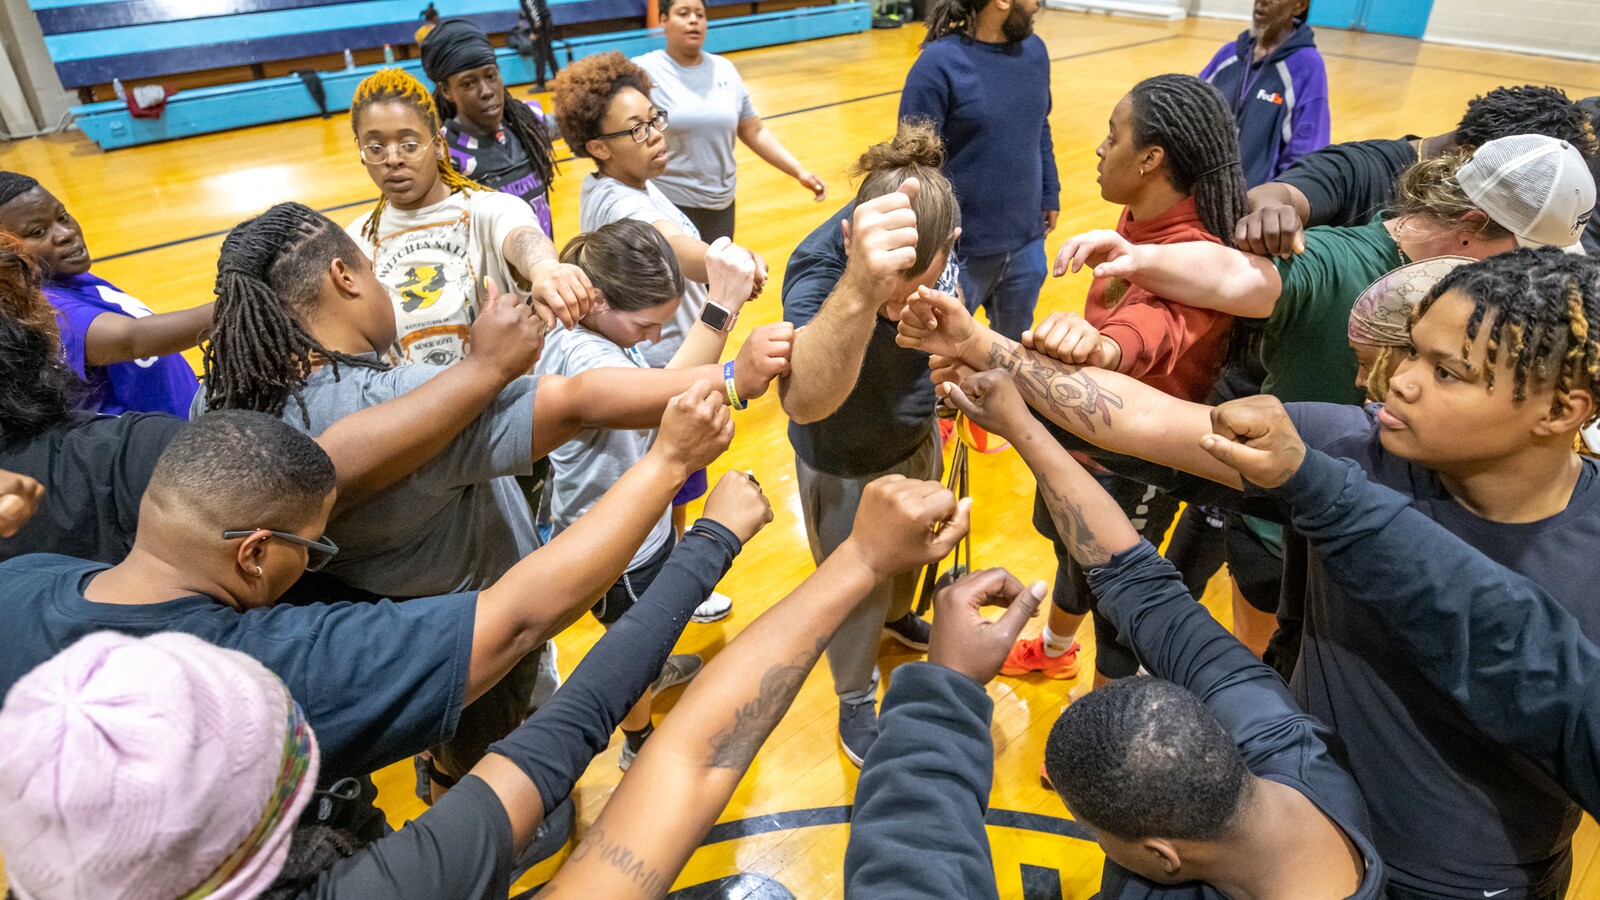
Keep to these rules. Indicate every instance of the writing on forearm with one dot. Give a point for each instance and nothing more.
(735, 746)
(1048, 388)
(641, 874)
(1073, 526)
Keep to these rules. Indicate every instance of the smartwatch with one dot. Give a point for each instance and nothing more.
(719, 317)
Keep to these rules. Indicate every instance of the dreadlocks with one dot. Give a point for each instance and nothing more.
(1526, 109)
(1191, 121)
(1543, 302)
(523, 123)
(399, 86)
(269, 278)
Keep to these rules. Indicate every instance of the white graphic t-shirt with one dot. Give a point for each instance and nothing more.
(433, 261)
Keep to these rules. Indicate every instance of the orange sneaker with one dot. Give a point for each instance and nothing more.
(1027, 655)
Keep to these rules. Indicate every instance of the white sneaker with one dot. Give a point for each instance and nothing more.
(716, 607)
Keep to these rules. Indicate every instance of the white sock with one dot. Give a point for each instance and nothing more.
(1055, 644)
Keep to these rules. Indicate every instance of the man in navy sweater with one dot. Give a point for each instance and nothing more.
(983, 78)
(1199, 786)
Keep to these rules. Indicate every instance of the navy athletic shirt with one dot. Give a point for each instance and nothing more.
(1455, 812)
(1515, 661)
(917, 831)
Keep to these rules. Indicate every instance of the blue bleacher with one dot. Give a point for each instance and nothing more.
(93, 41)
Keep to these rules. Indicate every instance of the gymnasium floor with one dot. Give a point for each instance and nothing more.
(154, 217)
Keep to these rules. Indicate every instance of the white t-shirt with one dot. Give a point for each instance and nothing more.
(704, 104)
(433, 261)
(584, 468)
(602, 201)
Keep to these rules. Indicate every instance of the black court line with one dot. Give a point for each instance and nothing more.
(1503, 79)
(793, 112)
(840, 815)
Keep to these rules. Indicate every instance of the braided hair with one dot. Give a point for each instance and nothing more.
(400, 86)
(1544, 302)
(41, 389)
(1191, 121)
(947, 17)
(269, 281)
(523, 123)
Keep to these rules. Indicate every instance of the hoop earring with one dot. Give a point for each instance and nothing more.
(258, 570)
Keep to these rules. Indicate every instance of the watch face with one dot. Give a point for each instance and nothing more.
(716, 316)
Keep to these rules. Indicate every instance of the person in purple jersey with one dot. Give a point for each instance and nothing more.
(1277, 83)
(126, 354)
(495, 140)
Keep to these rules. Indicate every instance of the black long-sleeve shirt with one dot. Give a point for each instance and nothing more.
(1514, 659)
(461, 847)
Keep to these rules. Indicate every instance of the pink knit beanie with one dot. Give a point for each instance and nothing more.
(156, 768)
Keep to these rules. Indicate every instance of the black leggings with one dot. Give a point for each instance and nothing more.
(712, 223)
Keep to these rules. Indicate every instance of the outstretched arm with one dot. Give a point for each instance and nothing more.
(634, 398)
(456, 848)
(553, 586)
(377, 446)
(113, 338)
(925, 783)
(560, 291)
(1516, 662)
(684, 776)
(758, 137)
(1196, 273)
(1104, 408)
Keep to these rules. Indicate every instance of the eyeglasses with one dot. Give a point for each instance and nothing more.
(641, 132)
(318, 552)
(410, 151)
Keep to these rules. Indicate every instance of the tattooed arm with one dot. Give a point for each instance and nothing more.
(1094, 527)
(559, 291)
(684, 776)
(1104, 408)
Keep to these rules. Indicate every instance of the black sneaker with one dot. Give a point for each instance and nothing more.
(858, 729)
(910, 629)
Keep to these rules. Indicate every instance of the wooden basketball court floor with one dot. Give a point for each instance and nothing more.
(154, 217)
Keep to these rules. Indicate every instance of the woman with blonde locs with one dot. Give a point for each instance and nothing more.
(436, 235)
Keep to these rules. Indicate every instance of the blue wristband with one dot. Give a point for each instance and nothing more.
(733, 393)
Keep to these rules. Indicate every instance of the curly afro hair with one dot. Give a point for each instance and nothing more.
(583, 92)
(1527, 109)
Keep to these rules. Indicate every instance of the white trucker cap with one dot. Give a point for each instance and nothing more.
(1538, 188)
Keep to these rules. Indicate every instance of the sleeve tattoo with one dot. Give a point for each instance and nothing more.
(1050, 389)
(1073, 527)
(735, 746)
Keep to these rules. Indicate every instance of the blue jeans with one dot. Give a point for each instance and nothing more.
(1006, 285)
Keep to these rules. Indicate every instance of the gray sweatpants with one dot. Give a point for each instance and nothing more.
(829, 503)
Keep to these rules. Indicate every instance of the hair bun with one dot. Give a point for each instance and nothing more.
(916, 143)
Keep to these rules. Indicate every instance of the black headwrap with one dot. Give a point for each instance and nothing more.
(14, 183)
(455, 45)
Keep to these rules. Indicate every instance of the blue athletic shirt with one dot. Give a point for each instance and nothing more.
(163, 384)
(378, 681)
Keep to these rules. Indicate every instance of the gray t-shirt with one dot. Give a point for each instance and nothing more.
(705, 104)
(584, 468)
(602, 201)
(460, 521)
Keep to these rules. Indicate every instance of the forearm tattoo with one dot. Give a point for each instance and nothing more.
(1052, 390)
(529, 247)
(635, 869)
(1073, 527)
(735, 746)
